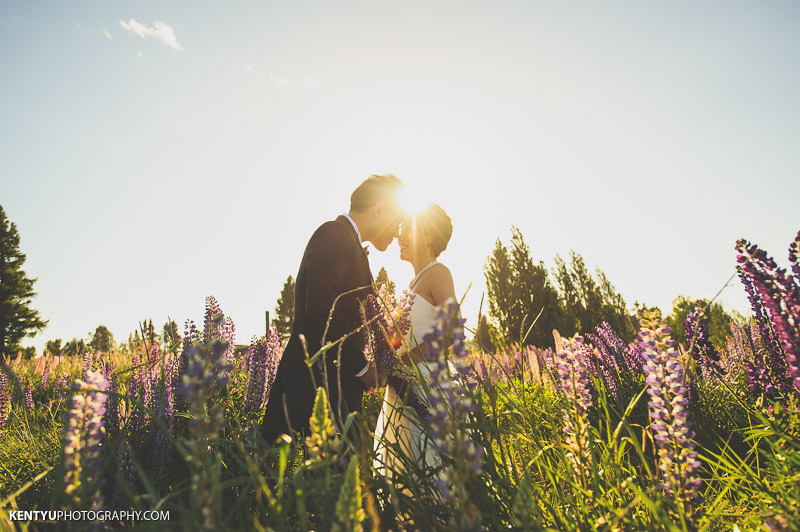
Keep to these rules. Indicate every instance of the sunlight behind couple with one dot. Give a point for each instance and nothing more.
(411, 200)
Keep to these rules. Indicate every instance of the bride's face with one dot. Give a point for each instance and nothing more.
(412, 241)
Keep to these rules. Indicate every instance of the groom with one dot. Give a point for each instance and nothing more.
(334, 265)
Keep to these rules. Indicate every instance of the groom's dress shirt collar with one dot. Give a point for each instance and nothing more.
(358, 233)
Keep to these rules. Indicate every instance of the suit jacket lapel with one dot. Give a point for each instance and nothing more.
(368, 279)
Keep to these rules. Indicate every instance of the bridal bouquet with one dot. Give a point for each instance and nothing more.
(387, 322)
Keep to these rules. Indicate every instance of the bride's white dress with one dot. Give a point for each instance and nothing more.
(398, 437)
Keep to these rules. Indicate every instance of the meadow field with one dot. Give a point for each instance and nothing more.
(590, 433)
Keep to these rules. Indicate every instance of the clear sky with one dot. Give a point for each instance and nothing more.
(153, 153)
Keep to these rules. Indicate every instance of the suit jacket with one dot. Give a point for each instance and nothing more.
(334, 265)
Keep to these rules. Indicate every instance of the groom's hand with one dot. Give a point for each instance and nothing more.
(371, 379)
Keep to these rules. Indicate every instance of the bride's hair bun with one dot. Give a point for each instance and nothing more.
(435, 223)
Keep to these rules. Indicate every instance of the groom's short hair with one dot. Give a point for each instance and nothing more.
(375, 188)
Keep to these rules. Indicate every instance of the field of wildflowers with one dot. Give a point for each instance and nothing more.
(590, 434)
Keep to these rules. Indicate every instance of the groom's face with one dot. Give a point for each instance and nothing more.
(387, 223)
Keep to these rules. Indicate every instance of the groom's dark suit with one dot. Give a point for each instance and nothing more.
(334, 263)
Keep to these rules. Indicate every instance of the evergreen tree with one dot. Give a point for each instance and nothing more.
(102, 340)
(580, 295)
(149, 335)
(588, 302)
(284, 310)
(17, 318)
(170, 334)
(135, 343)
(53, 347)
(483, 335)
(383, 278)
(522, 300)
(615, 311)
(76, 347)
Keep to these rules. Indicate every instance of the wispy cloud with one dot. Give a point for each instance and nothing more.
(279, 81)
(249, 68)
(159, 30)
(107, 34)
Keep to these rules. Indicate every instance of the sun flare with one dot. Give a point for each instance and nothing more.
(411, 201)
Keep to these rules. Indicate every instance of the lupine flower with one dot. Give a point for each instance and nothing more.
(573, 375)
(206, 376)
(112, 420)
(349, 513)
(190, 336)
(166, 414)
(29, 396)
(63, 385)
(322, 442)
(779, 293)
(229, 335)
(128, 470)
(262, 363)
(4, 402)
(45, 378)
(626, 358)
(483, 372)
(450, 406)
(256, 362)
(701, 348)
(83, 442)
(670, 426)
(87, 365)
(738, 351)
(794, 255)
(211, 325)
(384, 324)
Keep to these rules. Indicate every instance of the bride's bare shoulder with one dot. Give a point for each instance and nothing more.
(441, 284)
(440, 271)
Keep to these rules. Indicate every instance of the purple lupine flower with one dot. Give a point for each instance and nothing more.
(87, 365)
(794, 256)
(677, 458)
(128, 470)
(29, 396)
(739, 351)
(626, 358)
(384, 320)
(450, 406)
(112, 420)
(508, 366)
(166, 414)
(190, 336)
(45, 378)
(5, 402)
(573, 368)
(779, 292)
(229, 335)
(146, 376)
(211, 325)
(263, 358)
(256, 363)
(205, 378)
(274, 353)
(83, 441)
(135, 395)
(482, 371)
(608, 372)
(63, 385)
(700, 347)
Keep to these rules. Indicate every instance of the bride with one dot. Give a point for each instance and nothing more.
(399, 440)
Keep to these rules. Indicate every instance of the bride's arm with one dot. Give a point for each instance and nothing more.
(441, 284)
